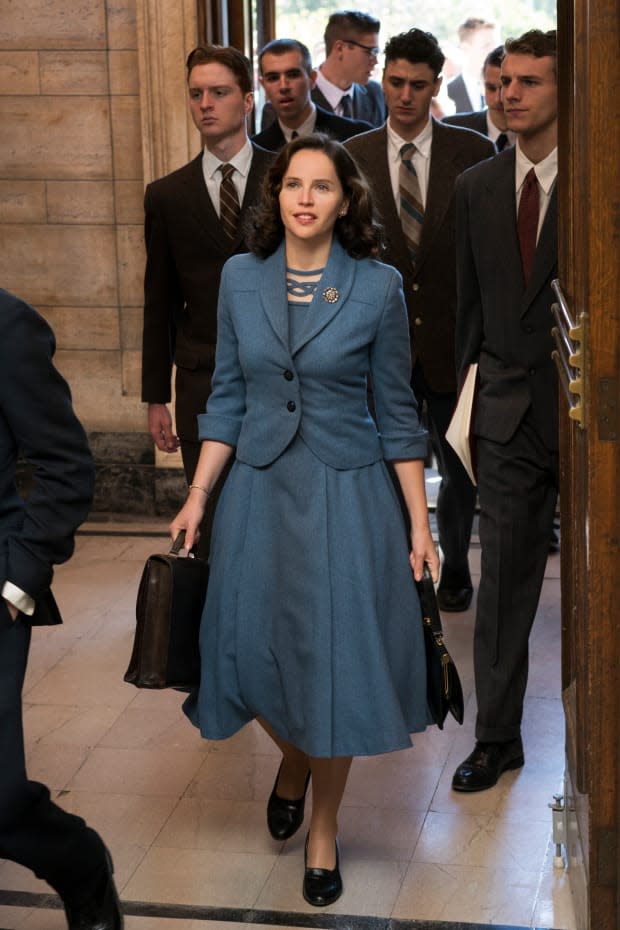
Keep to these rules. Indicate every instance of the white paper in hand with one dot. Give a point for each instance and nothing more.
(458, 433)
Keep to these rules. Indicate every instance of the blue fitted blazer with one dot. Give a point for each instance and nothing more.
(265, 390)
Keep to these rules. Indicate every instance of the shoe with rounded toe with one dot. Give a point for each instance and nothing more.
(483, 767)
(322, 886)
(454, 600)
(284, 817)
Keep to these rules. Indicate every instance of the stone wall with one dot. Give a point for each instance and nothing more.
(87, 115)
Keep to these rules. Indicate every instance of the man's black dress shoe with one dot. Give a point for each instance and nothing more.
(482, 768)
(284, 817)
(321, 886)
(102, 911)
(454, 600)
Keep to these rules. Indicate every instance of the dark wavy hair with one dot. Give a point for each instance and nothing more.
(537, 43)
(358, 231)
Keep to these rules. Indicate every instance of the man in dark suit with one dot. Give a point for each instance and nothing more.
(492, 120)
(37, 421)
(343, 82)
(476, 38)
(188, 237)
(507, 258)
(439, 153)
(287, 76)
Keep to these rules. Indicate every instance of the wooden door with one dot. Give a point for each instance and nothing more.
(589, 283)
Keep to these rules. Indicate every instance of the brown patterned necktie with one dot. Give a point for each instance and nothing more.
(229, 202)
(411, 209)
(527, 221)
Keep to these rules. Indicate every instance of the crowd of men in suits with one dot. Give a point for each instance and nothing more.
(473, 232)
(471, 294)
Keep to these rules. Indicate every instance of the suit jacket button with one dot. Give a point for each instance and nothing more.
(291, 406)
(418, 321)
(532, 371)
(288, 375)
(415, 287)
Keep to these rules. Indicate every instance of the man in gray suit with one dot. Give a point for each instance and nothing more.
(492, 120)
(287, 77)
(507, 258)
(187, 244)
(343, 82)
(437, 155)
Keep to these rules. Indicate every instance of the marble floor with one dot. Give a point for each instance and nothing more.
(185, 818)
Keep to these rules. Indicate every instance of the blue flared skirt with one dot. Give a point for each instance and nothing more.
(312, 619)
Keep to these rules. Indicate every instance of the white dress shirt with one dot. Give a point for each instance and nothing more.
(332, 93)
(546, 174)
(213, 176)
(18, 598)
(421, 159)
(306, 128)
(494, 133)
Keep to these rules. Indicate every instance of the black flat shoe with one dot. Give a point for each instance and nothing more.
(284, 817)
(487, 762)
(321, 886)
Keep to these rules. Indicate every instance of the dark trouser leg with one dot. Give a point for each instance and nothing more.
(190, 453)
(517, 486)
(456, 501)
(34, 831)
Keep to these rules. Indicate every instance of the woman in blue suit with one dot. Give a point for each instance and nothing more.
(312, 623)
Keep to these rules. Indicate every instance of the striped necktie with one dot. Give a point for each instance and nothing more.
(411, 209)
(229, 202)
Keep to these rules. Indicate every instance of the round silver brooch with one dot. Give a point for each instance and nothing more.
(331, 295)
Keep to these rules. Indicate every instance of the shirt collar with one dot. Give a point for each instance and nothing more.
(494, 133)
(305, 129)
(241, 161)
(546, 170)
(422, 142)
(332, 94)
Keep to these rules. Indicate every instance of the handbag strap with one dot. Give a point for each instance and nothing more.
(434, 617)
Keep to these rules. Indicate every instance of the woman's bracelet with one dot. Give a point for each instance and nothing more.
(199, 488)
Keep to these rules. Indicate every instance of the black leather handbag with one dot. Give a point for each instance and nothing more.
(443, 685)
(169, 606)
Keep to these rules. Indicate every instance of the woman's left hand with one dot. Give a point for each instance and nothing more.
(423, 550)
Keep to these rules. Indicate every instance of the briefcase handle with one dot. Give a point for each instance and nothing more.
(179, 544)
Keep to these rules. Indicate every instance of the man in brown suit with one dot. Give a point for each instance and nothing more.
(438, 154)
(187, 243)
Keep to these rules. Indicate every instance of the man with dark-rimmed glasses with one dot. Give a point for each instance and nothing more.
(343, 82)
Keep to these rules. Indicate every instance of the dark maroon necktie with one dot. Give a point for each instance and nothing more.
(527, 221)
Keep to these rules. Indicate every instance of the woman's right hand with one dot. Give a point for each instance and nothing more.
(190, 517)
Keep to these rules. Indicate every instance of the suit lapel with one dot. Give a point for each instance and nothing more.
(199, 204)
(376, 156)
(337, 280)
(273, 294)
(502, 223)
(440, 188)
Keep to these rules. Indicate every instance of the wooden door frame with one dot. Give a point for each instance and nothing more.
(589, 263)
